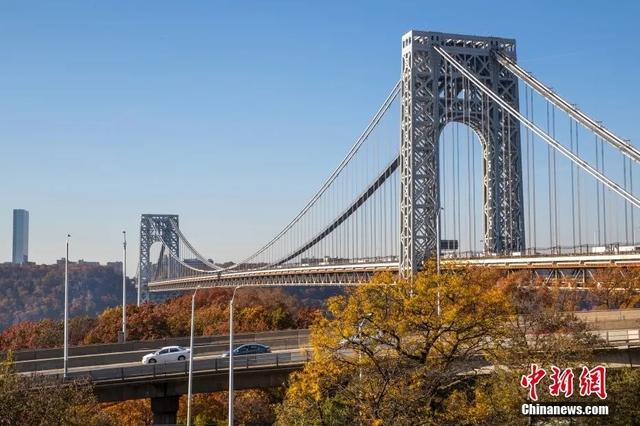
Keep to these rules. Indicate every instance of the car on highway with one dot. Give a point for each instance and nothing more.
(167, 354)
(249, 349)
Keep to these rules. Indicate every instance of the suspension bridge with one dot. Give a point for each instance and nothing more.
(469, 156)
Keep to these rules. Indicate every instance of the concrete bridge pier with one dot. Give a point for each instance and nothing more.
(165, 409)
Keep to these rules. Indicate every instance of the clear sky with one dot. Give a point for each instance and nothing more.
(231, 114)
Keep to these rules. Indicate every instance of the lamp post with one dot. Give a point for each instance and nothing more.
(139, 284)
(193, 310)
(124, 286)
(66, 309)
(231, 392)
(438, 255)
(438, 240)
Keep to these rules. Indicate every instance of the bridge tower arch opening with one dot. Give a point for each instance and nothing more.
(155, 228)
(461, 170)
(433, 94)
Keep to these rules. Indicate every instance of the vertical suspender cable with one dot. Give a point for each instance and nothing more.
(533, 177)
(555, 180)
(550, 193)
(473, 193)
(599, 240)
(604, 195)
(456, 183)
(527, 143)
(573, 197)
(458, 180)
(578, 189)
(510, 177)
(386, 189)
(470, 188)
(633, 228)
(626, 203)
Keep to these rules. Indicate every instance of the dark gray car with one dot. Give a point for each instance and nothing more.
(249, 349)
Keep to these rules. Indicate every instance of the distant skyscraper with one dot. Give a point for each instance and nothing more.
(20, 236)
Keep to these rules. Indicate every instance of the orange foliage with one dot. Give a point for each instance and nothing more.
(256, 310)
(130, 413)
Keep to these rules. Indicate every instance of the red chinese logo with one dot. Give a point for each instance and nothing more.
(591, 381)
(562, 382)
(531, 381)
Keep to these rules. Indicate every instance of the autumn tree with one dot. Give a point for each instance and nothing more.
(616, 288)
(540, 333)
(26, 400)
(405, 352)
(385, 352)
(44, 333)
(135, 412)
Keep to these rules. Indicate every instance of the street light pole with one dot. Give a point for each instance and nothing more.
(438, 241)
(139, 284)
(189, 393)
(438, 255)
(124, 286)
(231, 391)
(66, 309)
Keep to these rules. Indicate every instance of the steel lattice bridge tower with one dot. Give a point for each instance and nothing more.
(155, 228)
(396, 196)
(431, 98)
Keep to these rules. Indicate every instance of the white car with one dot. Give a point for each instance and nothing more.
(167, 354)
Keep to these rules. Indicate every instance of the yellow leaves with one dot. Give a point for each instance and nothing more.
(384, 355)
(383, 352)
(130, 413)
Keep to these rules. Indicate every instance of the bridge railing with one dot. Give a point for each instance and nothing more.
(200, 366)
(287, 341)
(628, 337)
(139, 345)
(582, 250)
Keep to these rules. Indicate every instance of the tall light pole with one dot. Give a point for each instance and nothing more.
(193, 311)
(231, 392)
(124, 286)
(438, 254)
(438, 240)
(66, 310)
(139, 284)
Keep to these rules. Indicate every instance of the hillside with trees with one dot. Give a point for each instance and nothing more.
(34, 292)
(255, 310)
(32, 299)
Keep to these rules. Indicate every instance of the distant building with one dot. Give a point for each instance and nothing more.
(87, 262)
(116, 266)
(20, 236)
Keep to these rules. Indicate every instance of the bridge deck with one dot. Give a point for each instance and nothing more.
(356, 273)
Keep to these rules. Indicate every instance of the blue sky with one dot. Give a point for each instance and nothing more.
(231, 114)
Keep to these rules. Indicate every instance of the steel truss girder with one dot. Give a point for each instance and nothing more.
(344, 275)
(430, 98)
(155, 228)
(568, 268)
